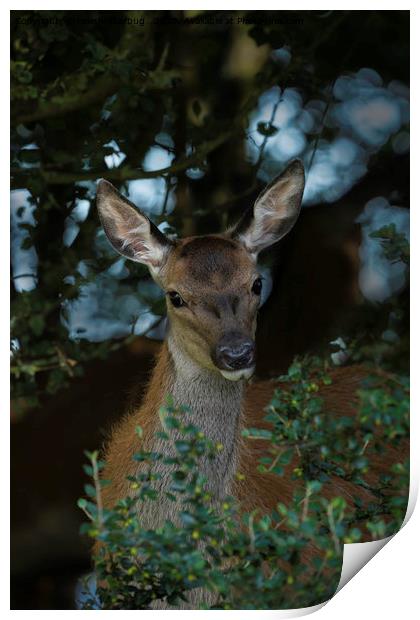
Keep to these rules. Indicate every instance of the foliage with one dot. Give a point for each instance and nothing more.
(340, 447)
(263, 563)
(379, 333)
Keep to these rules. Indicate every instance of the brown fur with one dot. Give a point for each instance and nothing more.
(124, 442)
(258, 490)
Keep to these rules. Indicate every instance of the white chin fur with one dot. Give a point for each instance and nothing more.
(237, 375)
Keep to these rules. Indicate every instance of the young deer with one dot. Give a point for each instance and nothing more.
(213, 289)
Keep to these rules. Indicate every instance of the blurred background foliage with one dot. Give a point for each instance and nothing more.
(189, 114)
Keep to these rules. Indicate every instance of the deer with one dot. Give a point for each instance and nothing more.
(213, 288)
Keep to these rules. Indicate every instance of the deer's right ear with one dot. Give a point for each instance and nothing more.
(274, 213)
(129, 231)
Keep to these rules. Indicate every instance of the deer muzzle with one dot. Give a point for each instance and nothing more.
(234, 356)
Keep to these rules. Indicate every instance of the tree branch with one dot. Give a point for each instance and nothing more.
(61, 105)
(54, 177)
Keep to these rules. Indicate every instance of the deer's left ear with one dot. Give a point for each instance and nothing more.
(275, 211)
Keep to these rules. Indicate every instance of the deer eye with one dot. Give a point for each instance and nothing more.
(176, 299)
(257, 286)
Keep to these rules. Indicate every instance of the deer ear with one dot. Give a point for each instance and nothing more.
(129, 231)
(274, 212)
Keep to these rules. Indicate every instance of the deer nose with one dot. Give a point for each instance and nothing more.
(234, 353)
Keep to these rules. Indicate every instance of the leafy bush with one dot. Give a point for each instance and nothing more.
(287, 559)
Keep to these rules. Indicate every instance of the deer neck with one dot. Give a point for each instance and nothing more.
(215, 406)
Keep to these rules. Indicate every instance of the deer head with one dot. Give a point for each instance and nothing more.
(211, 282)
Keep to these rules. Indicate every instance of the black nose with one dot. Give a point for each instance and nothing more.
(234, 352)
